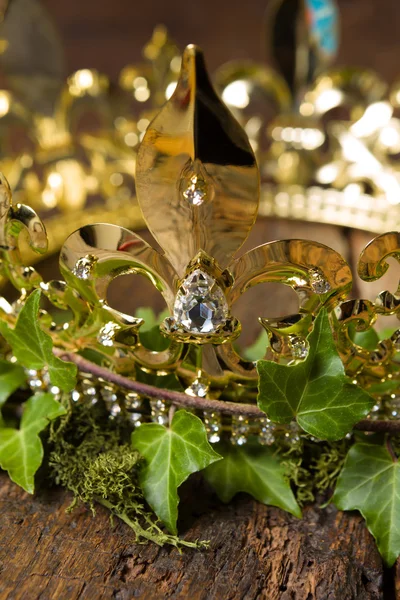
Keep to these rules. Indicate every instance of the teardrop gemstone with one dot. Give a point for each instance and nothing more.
(200, 304)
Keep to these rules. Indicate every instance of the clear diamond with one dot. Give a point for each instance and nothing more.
(199, 388)
(212, 422)
(267, 433)
(318, 283)
(293, 435)
(299, 347)
(107, 333)
(200, 305)
(159, 411)
(196, 191)
(115, 410)
(83, 267)
(240, 430)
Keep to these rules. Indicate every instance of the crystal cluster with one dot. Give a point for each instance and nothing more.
(159, 412)
(213, 425)
(240, 430)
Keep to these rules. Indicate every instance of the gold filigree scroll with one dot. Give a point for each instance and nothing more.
(378, 364)
(319, 276)
(198, 189)
(15, 219)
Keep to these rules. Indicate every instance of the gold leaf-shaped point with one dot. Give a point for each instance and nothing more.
(196, 175)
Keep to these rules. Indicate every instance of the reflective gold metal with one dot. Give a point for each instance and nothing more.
(313, 166)
(197, 185)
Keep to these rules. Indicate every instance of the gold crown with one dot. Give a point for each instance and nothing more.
(69, 148)
(197, 184)
(325, 138)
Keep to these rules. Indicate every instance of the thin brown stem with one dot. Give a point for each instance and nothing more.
(176, 398)
(181, 399)
(381, 426)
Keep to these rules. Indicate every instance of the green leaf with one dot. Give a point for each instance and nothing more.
(254, 470)
(12, 376)
(21, 450)
(315, 391)
(33, 348)
(370, 483)
(171, 456)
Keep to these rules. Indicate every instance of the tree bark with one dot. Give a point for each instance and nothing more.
(256, 552)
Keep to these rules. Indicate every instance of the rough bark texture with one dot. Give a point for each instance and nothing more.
(255, 552)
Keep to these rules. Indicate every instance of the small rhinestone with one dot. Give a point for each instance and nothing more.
(199, 387)
(196, 191)
(75, 396)
(267, 434)
(133, 401)
(83, 267)
(299, 347)
(213, 425)
(107, 333)
(293, 435)
(240, 430)
(318, 283)
(115, 410)
(159, 412)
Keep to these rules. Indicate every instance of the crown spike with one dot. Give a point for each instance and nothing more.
(196, 175)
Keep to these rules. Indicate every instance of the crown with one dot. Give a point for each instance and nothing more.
(197, 184)
(325, 138)
(69, 147)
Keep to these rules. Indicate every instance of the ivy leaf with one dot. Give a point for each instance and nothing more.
(33, 347)
(12, 376)
(253, 470)
(370, 482)
(171, 456)
(316, 391)
(21, 450)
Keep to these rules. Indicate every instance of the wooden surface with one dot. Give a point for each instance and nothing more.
(256, 552)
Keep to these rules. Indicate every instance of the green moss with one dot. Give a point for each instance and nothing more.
(312, 467)
(327, 466)
(90, 456)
